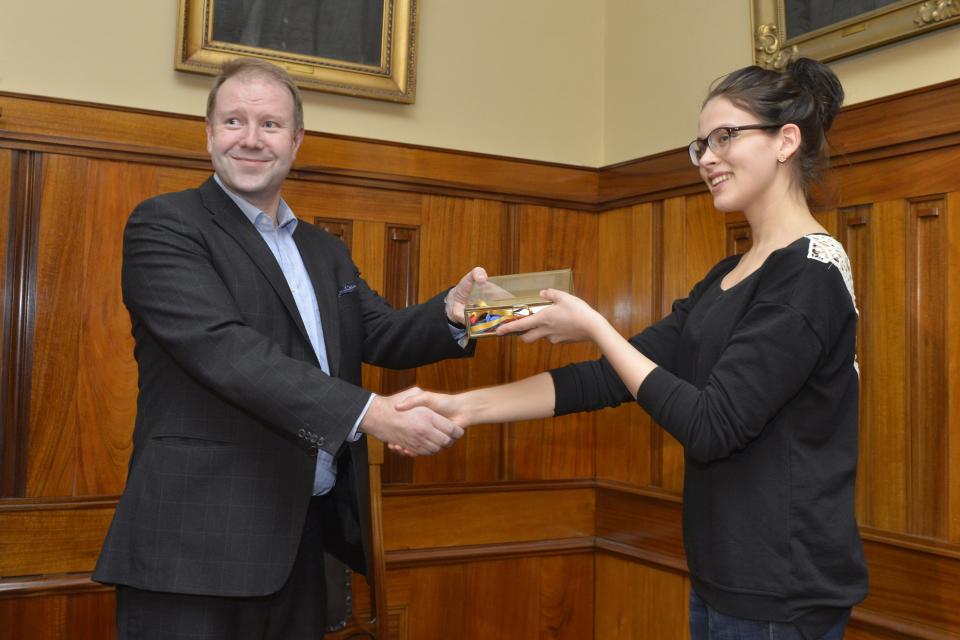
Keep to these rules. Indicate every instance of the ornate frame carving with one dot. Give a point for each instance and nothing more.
(896, 21)
(394, 79)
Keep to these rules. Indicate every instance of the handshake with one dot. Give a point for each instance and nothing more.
(415, 422)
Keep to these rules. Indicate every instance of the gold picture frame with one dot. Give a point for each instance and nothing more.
(776, 42)
(206, 40)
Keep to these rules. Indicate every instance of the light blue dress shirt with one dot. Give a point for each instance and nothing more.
(279, 238)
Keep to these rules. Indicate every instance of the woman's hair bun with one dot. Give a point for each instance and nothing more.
(823, 85)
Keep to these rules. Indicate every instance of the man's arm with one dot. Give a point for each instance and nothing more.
(176, 295)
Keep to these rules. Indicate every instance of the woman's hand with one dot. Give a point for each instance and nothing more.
(449, 406)
(568, 319)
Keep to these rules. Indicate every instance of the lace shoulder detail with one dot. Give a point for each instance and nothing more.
(828, 250)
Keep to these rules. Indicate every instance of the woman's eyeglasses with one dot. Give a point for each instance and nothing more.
(719, 138)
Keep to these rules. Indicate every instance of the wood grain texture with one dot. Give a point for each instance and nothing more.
(885, 369)
(6, 157)
(561, 447)
(54, 420)
(459, 235)
(927, 489)
(541, 597)
(628, 290)
(457, 519)
(636, 601)
(172, 139)
(952, 348)
(73, 616)
(52, 538)
(107, 372)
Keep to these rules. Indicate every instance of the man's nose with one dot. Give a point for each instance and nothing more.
(251, 136)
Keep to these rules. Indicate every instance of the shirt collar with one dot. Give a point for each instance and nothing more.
(256, 216)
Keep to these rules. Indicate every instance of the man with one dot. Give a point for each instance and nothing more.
(250, 328)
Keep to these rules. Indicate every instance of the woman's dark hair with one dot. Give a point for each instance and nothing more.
(807, 93)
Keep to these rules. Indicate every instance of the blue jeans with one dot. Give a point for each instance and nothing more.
(707, 623)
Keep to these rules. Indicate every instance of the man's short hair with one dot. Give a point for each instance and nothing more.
(255, 67)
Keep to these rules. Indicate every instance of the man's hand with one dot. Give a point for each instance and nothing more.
(418, 431)
(458, 296)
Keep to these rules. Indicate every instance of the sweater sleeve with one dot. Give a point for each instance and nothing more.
(767, 360)
(594, 385)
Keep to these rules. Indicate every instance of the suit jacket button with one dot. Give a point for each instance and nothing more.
(321, 441)
(302, 433)
(313, 438)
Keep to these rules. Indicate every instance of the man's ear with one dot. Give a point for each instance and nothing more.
(209, 130)
(297, 140)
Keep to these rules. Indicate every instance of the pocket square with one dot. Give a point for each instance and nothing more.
(347, 288)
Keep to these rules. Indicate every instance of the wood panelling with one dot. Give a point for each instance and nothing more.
(951, 347)
(77, 616)
(461, 517)
(562, 447)
(911, 583)
(84, 378)
(401, 282)
(628, 260)
(23, 184)
(518, 529)
(636, 601)
(51, 538)
(539, 597)
(926, 257)
(88, 129)
(459, 235)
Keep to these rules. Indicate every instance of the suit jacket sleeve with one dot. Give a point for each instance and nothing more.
(180, 289)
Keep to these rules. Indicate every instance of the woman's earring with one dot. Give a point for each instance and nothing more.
(781, 159)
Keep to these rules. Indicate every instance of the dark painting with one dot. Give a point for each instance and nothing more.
(804, 16)
(346, 30)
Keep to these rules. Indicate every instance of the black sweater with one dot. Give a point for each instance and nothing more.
(760, 385)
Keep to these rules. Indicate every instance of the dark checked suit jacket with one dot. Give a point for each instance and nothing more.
(232, 402)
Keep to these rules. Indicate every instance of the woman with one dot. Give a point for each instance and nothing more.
(754, 373)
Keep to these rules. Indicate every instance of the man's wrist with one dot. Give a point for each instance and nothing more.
(448, 311)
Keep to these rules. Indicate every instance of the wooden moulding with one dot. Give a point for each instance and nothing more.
(903, 123)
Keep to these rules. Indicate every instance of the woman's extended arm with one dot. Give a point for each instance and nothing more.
(570, 319)
(527, 399)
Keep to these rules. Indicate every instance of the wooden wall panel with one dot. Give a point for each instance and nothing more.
(459, 235)
(951, 348)
(855, 234)
(628, 286)
(926, 340)
(107, 374)
(73, 616)
(54, 422)
(636, 601)
(539, 597)
(884, 369)
(84, 377)
(468, 517)
(6, 157)
(562, 447)
(51, 538)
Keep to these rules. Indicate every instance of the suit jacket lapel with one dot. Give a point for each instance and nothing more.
(322, 274)
(228, 217)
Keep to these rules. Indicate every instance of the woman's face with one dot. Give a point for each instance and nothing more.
(743, 171)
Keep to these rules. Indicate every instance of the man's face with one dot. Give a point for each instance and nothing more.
(252, 138)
